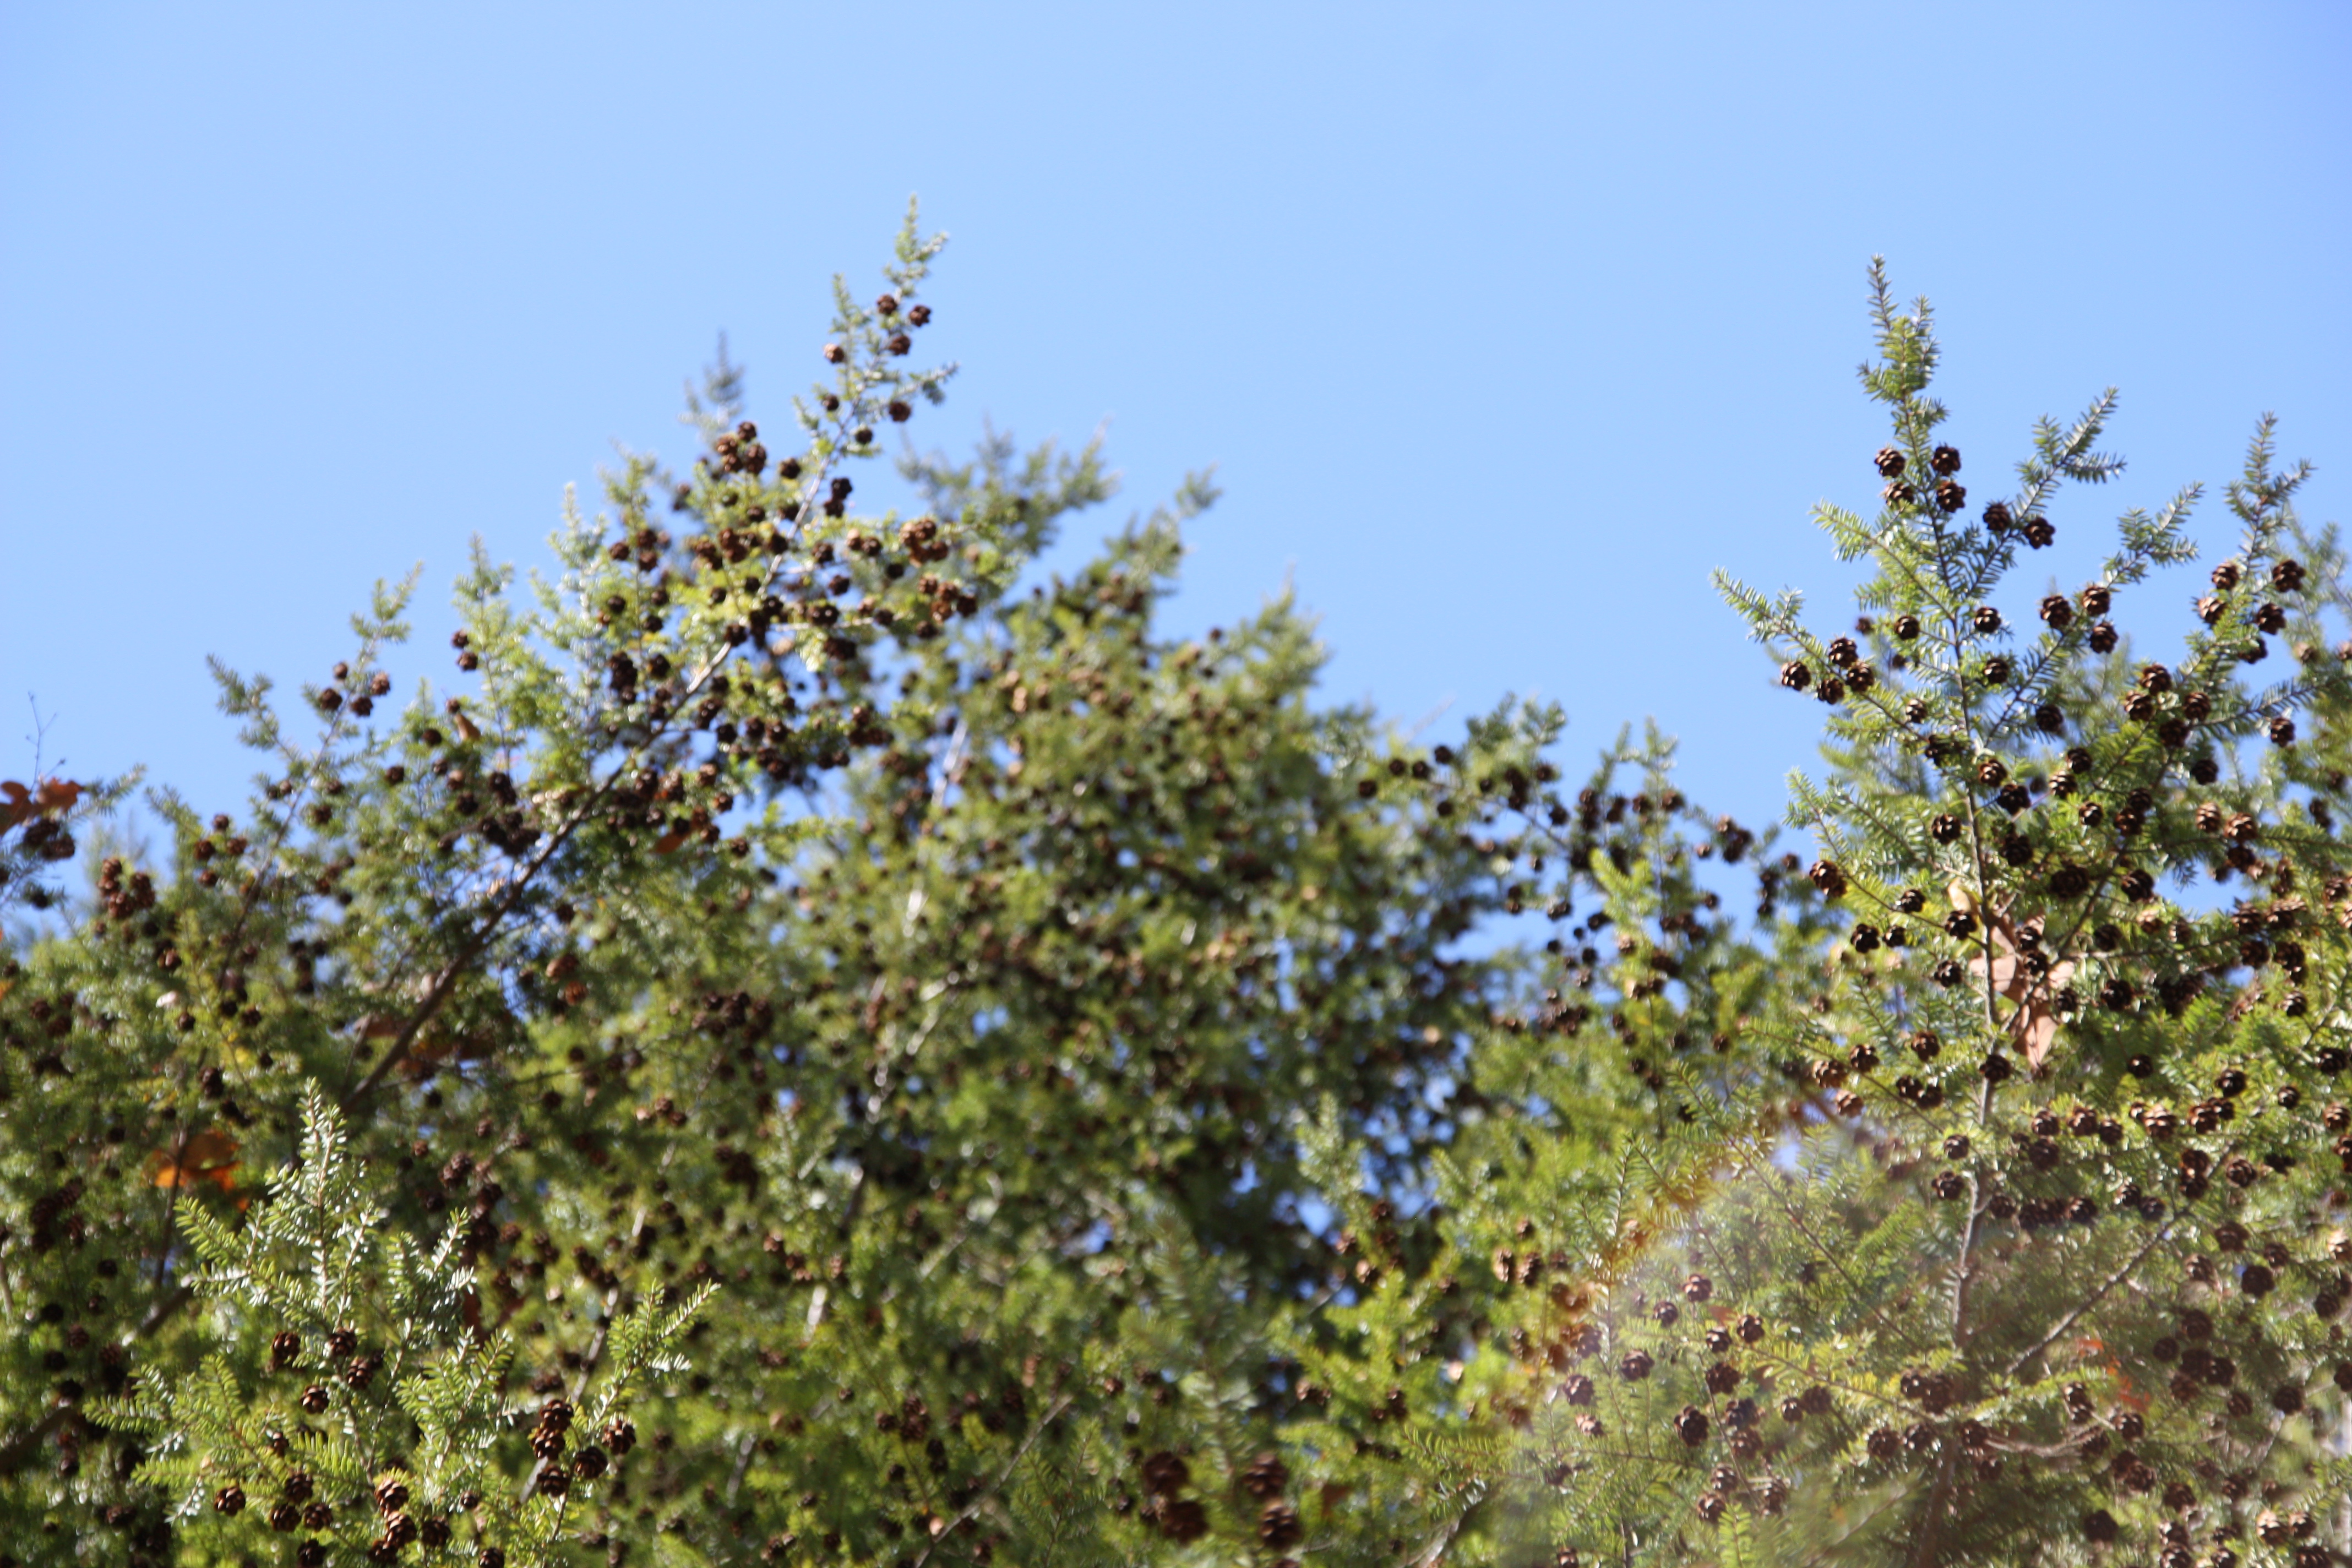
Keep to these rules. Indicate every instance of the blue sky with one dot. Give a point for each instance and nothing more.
(1502, 324)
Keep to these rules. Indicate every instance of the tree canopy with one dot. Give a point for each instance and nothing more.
(806, 1051)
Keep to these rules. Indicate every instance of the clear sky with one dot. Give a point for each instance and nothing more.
(1503, 323)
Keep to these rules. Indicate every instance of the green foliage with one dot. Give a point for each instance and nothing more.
(961, 1075)
(400, 1423)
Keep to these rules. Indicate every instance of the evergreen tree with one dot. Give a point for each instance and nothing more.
(2006, 1225)
(808, 1054)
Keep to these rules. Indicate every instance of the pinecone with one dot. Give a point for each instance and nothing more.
(1890, 462)
(1636, 1366)
(1277, 1525)
(1690, 1425)
(1951, 495)
(391, 1496)
(1265, 1476)
(1184, 1520)
(620, 1436)
(588, 1463)
(1997, 519)
(314, 1399)
(229, 1500)
(1165, 1472)
(341, 1342)
(284, 1349)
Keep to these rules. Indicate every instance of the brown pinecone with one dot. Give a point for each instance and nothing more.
(1997, 519)
(588, 1463)
(1690, 1425)
(1951, 495)
(620, 1436)
(1183, 1520)
(1697, 1288)
(1265, 1476)
(284, 1349)
(1635, 1366)
(1890, 462)
(229, 1500)
(1165, 1472)
(1277, 1525)
(391, 1495)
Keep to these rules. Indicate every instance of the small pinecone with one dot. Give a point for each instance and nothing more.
(2058, 611)
(314, 1399)
(1277, 1525)
(299, 1486)
(432, 1534)
(391, 1496)
(1795, 676)
(229, 1500)
(1697, 1288)
(362, 1370)
(1722, 1377)
(310, 1554)
(1265, 1476)
(1709, 1506)
(1890, 462)
(1944, 459)
(1690, 1425)
(1951, 495)
(1825, 876)
(492, 1557)
(588, 1463)
(1183, 1520)
(547, 1445)
(2099, 1527)
(620, 1436)
(318, 1515)
(1165, 1472)
(284, 1349)
(1907, 627)
(1882, 1443)
(556, 1416)
(1636, 1366)
(284, 1517)
(553, 1481)
(341, 1342)
(1997, 520)
(2282, 730)
(2286, 576)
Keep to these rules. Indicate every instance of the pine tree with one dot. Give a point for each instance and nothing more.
(807, 1053)
(2006, 1227)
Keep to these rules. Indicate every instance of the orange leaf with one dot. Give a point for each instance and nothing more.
(209, 1156)
(57, 794)
(667, 843)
